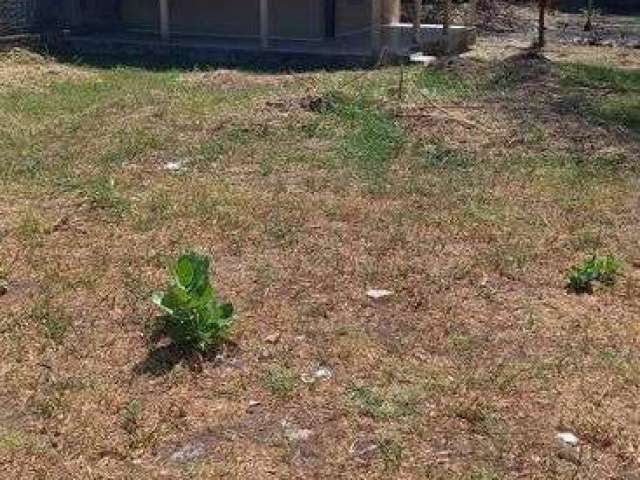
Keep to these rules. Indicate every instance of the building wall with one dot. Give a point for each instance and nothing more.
(216, 17)
(302, 19)
(292, 19)
(140, 14)
(352, 15)
(17, 16)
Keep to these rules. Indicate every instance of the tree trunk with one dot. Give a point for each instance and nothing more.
(541, 23)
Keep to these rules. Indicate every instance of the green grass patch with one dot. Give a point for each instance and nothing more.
(438, 155)
(53, 320)
(384, 405)
(372, 136)
(105, 194)
(444, 84)
(623, 110)
(600, 77)
(608, 94)
(62, 98)
(281, 381)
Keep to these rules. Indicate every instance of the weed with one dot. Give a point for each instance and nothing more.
(623, 110)
(483, 474)
(48, 405)
(11, 441)
(593, 269)
(194, 319)
(620, 88)
(211, 151)
(600, 77)
(481, 416)
(131, 416)
(104, 194)
(369, 402)
(444, 84)
(588, 238)
(281, 381)
(438, 154)
(391, 451)
(154, 210)
(536, 135)
(510, 259)
(374, 136)
(130, 144)
(4, 271)
(394, 404)
(462, 343)
(52, 319)
(31, 228)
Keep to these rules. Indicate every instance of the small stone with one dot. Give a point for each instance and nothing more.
(364, 449)
(294, 434)
(567, 439)
(319, 373)
(378, 294)
(568, 447)
(197, 448)
(189, 452)
(322, 373)
(173, 166)
(273, 338)
(254, 403)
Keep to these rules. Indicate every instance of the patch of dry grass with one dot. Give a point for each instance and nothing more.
(25, 70)
(466, 372)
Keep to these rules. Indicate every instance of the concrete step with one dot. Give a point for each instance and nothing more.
(420, 57)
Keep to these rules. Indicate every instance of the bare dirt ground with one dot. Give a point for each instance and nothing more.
(516, 21)
(470, 197)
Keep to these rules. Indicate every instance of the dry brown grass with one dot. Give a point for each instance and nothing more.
(22, 69)
(467, 372)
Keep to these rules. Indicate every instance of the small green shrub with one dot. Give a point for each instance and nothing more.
(194, 319)
(593, 269)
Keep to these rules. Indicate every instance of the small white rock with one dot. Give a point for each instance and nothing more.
(273, 338)
(323, 373)
(294, 434)
(567, 439)
(173, 166)
(377, 294)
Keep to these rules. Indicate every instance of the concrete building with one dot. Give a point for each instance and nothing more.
(352, 30)
(17, 16)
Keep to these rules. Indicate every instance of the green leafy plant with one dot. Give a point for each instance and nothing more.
(194, 319)
(593, 269)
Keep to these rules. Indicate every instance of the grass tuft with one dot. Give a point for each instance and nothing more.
(281, 381)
